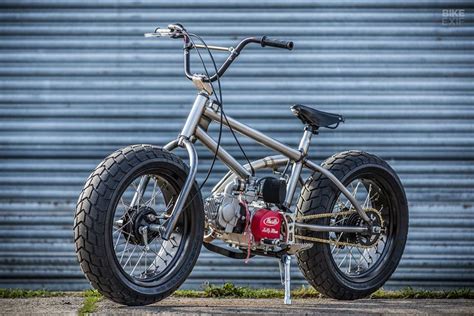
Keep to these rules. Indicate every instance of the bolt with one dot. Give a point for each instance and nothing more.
(152, 217)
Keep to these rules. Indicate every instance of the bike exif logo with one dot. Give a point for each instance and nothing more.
(453, 17)
(271, 221)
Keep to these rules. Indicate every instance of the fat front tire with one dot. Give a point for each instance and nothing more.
(324, 265)
(102, 248)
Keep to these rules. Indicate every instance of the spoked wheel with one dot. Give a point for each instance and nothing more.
(142, 254)
(353, 265)
(128, 196)
(355, 254)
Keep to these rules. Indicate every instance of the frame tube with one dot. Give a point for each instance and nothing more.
(296, 169)
(171, 145)
(267, 162)
(311, 165)
(263, 139)
(194, 116)
(226, 158)
(335, 229)
(222, 154)
(292, 183)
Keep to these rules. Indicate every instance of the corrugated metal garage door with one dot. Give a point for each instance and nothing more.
(78, 80)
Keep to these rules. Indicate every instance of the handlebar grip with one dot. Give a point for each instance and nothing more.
(276, 43)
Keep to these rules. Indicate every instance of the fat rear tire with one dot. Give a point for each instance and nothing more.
(319, 195)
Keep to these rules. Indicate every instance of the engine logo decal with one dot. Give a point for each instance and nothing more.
(271, 221)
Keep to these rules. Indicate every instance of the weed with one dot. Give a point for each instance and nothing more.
(229, 290)
(19, 293)
(89, 305)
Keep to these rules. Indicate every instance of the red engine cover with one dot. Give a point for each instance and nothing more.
(266, 224)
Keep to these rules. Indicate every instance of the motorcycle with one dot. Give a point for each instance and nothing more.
(141, 221)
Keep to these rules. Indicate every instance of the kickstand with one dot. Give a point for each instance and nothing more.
(284, 263)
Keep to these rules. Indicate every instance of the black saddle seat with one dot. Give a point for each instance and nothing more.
(316, 118)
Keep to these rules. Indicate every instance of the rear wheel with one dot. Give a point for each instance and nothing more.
(353, 265)
(123, 261)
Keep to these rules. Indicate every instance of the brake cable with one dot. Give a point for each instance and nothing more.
(220, 103)
(219, 99)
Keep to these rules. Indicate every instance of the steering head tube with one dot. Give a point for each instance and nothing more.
(266, 41)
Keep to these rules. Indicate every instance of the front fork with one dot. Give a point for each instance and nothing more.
(187, 132)
(183, 140)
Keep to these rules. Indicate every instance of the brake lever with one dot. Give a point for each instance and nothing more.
(152, 35)
(177, 30)
(159, 33)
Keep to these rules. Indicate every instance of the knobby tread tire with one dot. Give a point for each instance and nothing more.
(317, 195)
(92, 208)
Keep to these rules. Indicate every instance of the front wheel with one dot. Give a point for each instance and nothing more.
(121, 260)
(353, 265)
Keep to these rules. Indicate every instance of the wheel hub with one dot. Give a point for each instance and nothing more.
(368, 238)
(371, 237)
(351, 220)
(135, 218)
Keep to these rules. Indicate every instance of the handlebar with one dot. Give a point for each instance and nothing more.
(178, 31)
(276, 43)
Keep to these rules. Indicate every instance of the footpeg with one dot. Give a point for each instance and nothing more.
(285, 264)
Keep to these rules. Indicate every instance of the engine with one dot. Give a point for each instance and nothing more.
(266, 225)
(225, 213)
(248, 214)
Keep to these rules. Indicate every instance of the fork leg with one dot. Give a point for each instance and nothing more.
(183, 195)
(285, 263)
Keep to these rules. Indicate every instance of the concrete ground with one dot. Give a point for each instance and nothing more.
(187, 306)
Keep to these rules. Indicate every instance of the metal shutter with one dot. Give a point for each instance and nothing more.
(78, 80)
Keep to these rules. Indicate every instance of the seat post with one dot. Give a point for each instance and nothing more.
(306, 139)
(297, 166)
(313, 129)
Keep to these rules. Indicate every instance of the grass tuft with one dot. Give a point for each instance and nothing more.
(229, 290)
(410, 293)
(20, 293)
(89, 305)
